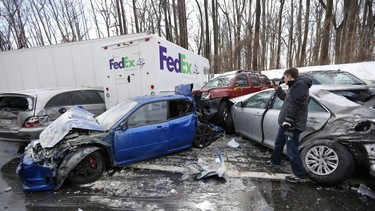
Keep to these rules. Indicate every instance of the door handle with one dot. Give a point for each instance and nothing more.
(129, 78)
(159, 127)
(313, 120)
(62, 110)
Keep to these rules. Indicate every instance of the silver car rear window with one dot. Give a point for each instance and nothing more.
(19, 103)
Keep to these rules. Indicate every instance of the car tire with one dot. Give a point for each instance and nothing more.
(203, 136)
(317, 156)
(88, 170)
(223, 116)
(229, 125)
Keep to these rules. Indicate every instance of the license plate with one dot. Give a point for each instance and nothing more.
(5, 121)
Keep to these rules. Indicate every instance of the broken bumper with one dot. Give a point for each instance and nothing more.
(208, 108)
(34, 177)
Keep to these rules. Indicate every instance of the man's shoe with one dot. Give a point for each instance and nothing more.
(269, 163)
(294, 178)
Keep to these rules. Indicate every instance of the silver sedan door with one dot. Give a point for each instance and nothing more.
(248, 115)
(317, 117)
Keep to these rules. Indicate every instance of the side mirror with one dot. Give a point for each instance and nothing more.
(124, 126)
(239, 104)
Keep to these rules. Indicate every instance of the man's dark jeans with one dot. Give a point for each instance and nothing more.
(292, 151)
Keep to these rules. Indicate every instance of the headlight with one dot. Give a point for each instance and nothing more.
(205, 96)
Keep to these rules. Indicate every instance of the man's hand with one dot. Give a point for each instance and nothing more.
(287, 125)
(275, 86)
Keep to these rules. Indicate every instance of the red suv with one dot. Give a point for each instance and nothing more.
(213, 98)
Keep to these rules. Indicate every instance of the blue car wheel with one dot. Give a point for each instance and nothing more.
(88, 170)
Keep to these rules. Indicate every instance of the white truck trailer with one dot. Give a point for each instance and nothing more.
(125, 66)
(149, 65)
(75, 64)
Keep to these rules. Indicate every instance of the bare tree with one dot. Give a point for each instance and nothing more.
(324, 56)
(256, 36)
(279, 38)
(302, 57)
(183, 41)
(289, 59)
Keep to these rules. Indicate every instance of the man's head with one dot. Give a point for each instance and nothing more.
(290, 74)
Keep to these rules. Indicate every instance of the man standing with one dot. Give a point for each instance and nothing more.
(292, 120)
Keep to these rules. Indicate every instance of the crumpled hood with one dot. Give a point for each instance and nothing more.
(74, 118)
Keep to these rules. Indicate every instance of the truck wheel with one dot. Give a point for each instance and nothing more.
(203, 136)
(88, 170)
(327, 162)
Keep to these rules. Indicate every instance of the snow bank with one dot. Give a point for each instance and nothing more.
(363, 70)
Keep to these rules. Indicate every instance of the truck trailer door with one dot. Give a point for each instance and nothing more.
(127, 72)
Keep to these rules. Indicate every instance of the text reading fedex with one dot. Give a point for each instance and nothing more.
(179, 65)
(125, 62)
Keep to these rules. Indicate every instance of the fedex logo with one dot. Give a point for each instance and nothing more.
(125, 62)
(179, 65)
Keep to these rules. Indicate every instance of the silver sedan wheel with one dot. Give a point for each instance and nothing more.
(321, 160)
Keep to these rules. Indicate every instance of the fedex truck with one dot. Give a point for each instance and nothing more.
(149, 65)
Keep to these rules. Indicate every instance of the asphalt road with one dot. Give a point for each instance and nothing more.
(164, 184)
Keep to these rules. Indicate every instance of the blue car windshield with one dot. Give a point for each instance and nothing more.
(114, 114)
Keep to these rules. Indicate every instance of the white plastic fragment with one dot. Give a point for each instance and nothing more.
(8, 189)
(364, 190)
(233, 143)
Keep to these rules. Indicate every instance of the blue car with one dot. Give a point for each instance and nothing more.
(79, 146)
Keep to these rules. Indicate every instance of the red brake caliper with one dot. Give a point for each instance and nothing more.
(91, 160)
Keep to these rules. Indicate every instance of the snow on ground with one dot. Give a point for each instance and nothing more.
(363, 70)
(124, 187)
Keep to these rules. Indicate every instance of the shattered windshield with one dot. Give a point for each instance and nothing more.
(220, 81)
(114, 114)
(335, 77)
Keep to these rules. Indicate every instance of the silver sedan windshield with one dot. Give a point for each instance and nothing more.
(114, 114)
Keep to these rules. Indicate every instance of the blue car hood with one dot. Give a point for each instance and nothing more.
(76, 117)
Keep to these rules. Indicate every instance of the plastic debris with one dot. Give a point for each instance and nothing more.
(216, 169)
(364, 190)
(8, 189)
(233, 143)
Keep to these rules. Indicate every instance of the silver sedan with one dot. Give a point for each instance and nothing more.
(339, 135)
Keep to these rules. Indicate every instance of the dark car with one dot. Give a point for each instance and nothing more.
(213, 98)
(25, 114)
(345, 84)
(339, 135)
(79, 146)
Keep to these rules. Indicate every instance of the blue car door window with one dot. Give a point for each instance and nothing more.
(149, 114)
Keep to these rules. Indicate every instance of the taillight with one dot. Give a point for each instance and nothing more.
(34, 121)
